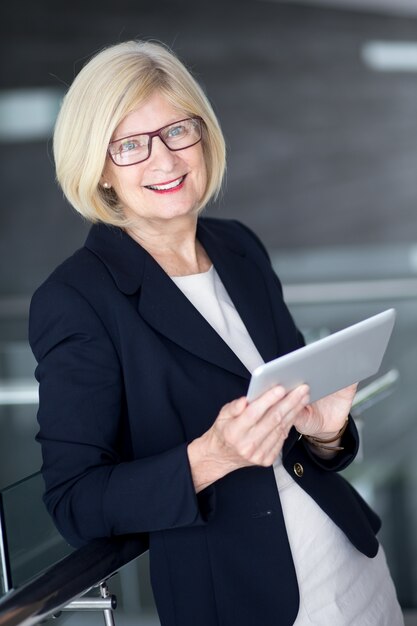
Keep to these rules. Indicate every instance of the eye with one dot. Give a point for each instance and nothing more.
(174, 132)
(131, 144)
(128, 145)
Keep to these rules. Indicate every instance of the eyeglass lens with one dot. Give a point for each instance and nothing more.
(176, 136)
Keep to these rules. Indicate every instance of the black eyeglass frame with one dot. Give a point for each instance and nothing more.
(157, 133)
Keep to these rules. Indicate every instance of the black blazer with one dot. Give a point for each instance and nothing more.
(129, 373)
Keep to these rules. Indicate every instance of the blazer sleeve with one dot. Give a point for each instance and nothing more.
(91, 489)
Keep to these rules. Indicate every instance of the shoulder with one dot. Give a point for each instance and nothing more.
(80, 268)
(67, 300)
(82, 276)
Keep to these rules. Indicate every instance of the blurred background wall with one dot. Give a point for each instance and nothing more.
(318, 103)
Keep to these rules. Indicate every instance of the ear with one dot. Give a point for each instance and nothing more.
(105, 178)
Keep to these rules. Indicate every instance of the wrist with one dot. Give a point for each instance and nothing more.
(206, 465)
(327, 441)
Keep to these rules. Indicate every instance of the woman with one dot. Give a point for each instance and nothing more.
(145, 340)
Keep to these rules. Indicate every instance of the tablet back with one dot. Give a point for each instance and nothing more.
(327, 365)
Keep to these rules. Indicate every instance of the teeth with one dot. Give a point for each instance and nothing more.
(171, 185)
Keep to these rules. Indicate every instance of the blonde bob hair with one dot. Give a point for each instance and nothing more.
(112, 84)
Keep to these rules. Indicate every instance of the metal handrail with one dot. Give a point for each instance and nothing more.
(105, 602)
(69, 579)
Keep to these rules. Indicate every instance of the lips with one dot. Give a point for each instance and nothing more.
(169, 186)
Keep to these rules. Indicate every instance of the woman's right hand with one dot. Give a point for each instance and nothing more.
(245, 434)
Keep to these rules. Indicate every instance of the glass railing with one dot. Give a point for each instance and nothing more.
(20, 455)
(31, 541)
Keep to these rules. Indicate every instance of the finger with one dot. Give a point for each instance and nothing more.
(277, 421)
(283, 411)
(276, 439)
(234, 408)
(267, 452)
(257, 408)
(291, 405)
(275, 448)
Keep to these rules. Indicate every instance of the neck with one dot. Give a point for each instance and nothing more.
(173, 244)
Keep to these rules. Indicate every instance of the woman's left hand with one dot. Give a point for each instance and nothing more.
(325, 417)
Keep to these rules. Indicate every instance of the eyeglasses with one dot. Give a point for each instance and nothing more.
(137, 148)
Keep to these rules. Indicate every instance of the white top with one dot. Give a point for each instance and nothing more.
(338, 585)
(207, 293)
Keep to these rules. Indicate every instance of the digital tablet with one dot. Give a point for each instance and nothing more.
(327, 365)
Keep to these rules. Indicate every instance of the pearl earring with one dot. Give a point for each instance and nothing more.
(106, 185)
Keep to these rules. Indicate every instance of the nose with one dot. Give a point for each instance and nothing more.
(161, 157)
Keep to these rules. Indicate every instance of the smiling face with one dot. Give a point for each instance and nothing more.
(168, 184)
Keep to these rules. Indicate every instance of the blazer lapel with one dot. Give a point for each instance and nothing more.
(246, 286)
(163, 305)
(160, 303)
